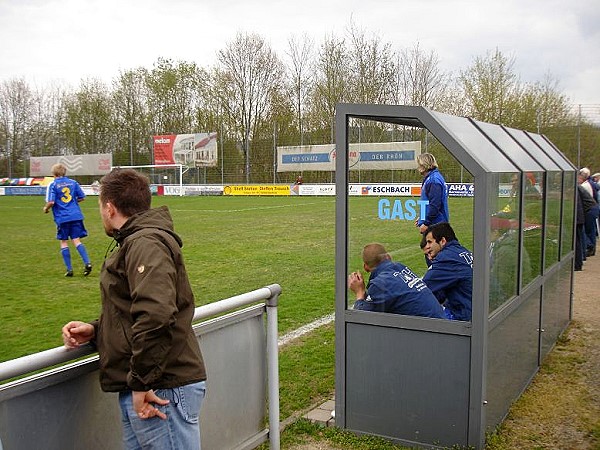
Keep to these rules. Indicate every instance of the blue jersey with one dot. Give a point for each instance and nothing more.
(394, 288)
(66, 194)
(450, 277)
(435, 192)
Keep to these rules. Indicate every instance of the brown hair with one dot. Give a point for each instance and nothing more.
(374, 254)
(127, 189)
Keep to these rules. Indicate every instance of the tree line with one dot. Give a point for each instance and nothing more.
(256, 100)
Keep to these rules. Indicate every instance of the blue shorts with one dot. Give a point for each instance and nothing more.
(71, 230)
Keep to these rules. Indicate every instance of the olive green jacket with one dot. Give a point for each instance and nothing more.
(144, 335)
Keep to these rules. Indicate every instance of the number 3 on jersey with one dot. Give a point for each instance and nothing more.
(66, 197)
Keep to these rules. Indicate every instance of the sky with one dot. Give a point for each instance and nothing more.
(65, 41)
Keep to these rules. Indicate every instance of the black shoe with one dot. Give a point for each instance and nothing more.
(87, 270)
(69, 273)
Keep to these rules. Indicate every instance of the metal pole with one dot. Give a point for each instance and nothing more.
(222, 154)
(579, 138)
(130, 147)
(247, 147)
(273, 366)
(181, 180)
(274, 152)
(9, 155)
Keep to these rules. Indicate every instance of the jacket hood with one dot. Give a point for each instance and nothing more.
(159, 218)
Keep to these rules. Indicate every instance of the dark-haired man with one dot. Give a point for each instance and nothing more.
(148, 350)
(450, 275)
(392, 287)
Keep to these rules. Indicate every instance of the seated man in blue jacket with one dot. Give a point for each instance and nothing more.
(450, 275)
(392, 287)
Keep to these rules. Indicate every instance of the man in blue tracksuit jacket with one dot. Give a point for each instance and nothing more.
(450, 275)
(392, 287)
(434, 191)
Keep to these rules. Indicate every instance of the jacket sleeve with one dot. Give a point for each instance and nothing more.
(151, 274)
(435, 192)
(376, 300)
(440, 277)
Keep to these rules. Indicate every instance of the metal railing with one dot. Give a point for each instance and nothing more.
(15, 395)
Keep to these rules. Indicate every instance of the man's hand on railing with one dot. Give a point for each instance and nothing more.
(77, 333)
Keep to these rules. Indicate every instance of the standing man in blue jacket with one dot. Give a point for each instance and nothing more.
(450, 275)
(392, 287)
(434, 191)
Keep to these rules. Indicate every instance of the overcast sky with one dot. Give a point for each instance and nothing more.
(68, 40)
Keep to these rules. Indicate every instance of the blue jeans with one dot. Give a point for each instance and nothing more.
(179, 431)
(590, 227)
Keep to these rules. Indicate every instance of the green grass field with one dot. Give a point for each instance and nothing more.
(231, 245)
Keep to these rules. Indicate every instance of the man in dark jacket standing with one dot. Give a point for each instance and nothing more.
(148, 351)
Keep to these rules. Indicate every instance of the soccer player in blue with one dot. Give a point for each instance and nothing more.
(450, 275)
(392, 287)
(63, 196)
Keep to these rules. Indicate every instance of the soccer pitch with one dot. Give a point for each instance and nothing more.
(232, 245)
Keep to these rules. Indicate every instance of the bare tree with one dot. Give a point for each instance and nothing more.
(300, 54)
(172, 96)
(451, 99)
(131, 112)
(46, 120)
(16, 111)
(88, 121)
(372, 68)
(331, 83)
(541, 105)
(421, 82)
(248, 76)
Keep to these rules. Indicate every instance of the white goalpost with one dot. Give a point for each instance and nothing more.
(165, 174)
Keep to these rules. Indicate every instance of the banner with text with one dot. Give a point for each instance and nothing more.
(362, 156)
(98, 164)
(265, 189)
(197, 150)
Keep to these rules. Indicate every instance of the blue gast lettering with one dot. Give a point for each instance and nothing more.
(397, 211)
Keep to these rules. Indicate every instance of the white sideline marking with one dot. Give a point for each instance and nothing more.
(257, 208)
(304, 329)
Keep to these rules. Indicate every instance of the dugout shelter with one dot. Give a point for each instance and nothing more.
(436, 383)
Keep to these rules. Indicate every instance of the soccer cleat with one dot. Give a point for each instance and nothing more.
(69, 273)
(87, 270)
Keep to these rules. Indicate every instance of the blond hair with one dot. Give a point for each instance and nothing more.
(427, 161)
(58, 170)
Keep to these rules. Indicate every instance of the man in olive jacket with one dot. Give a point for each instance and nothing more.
(148, 351)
